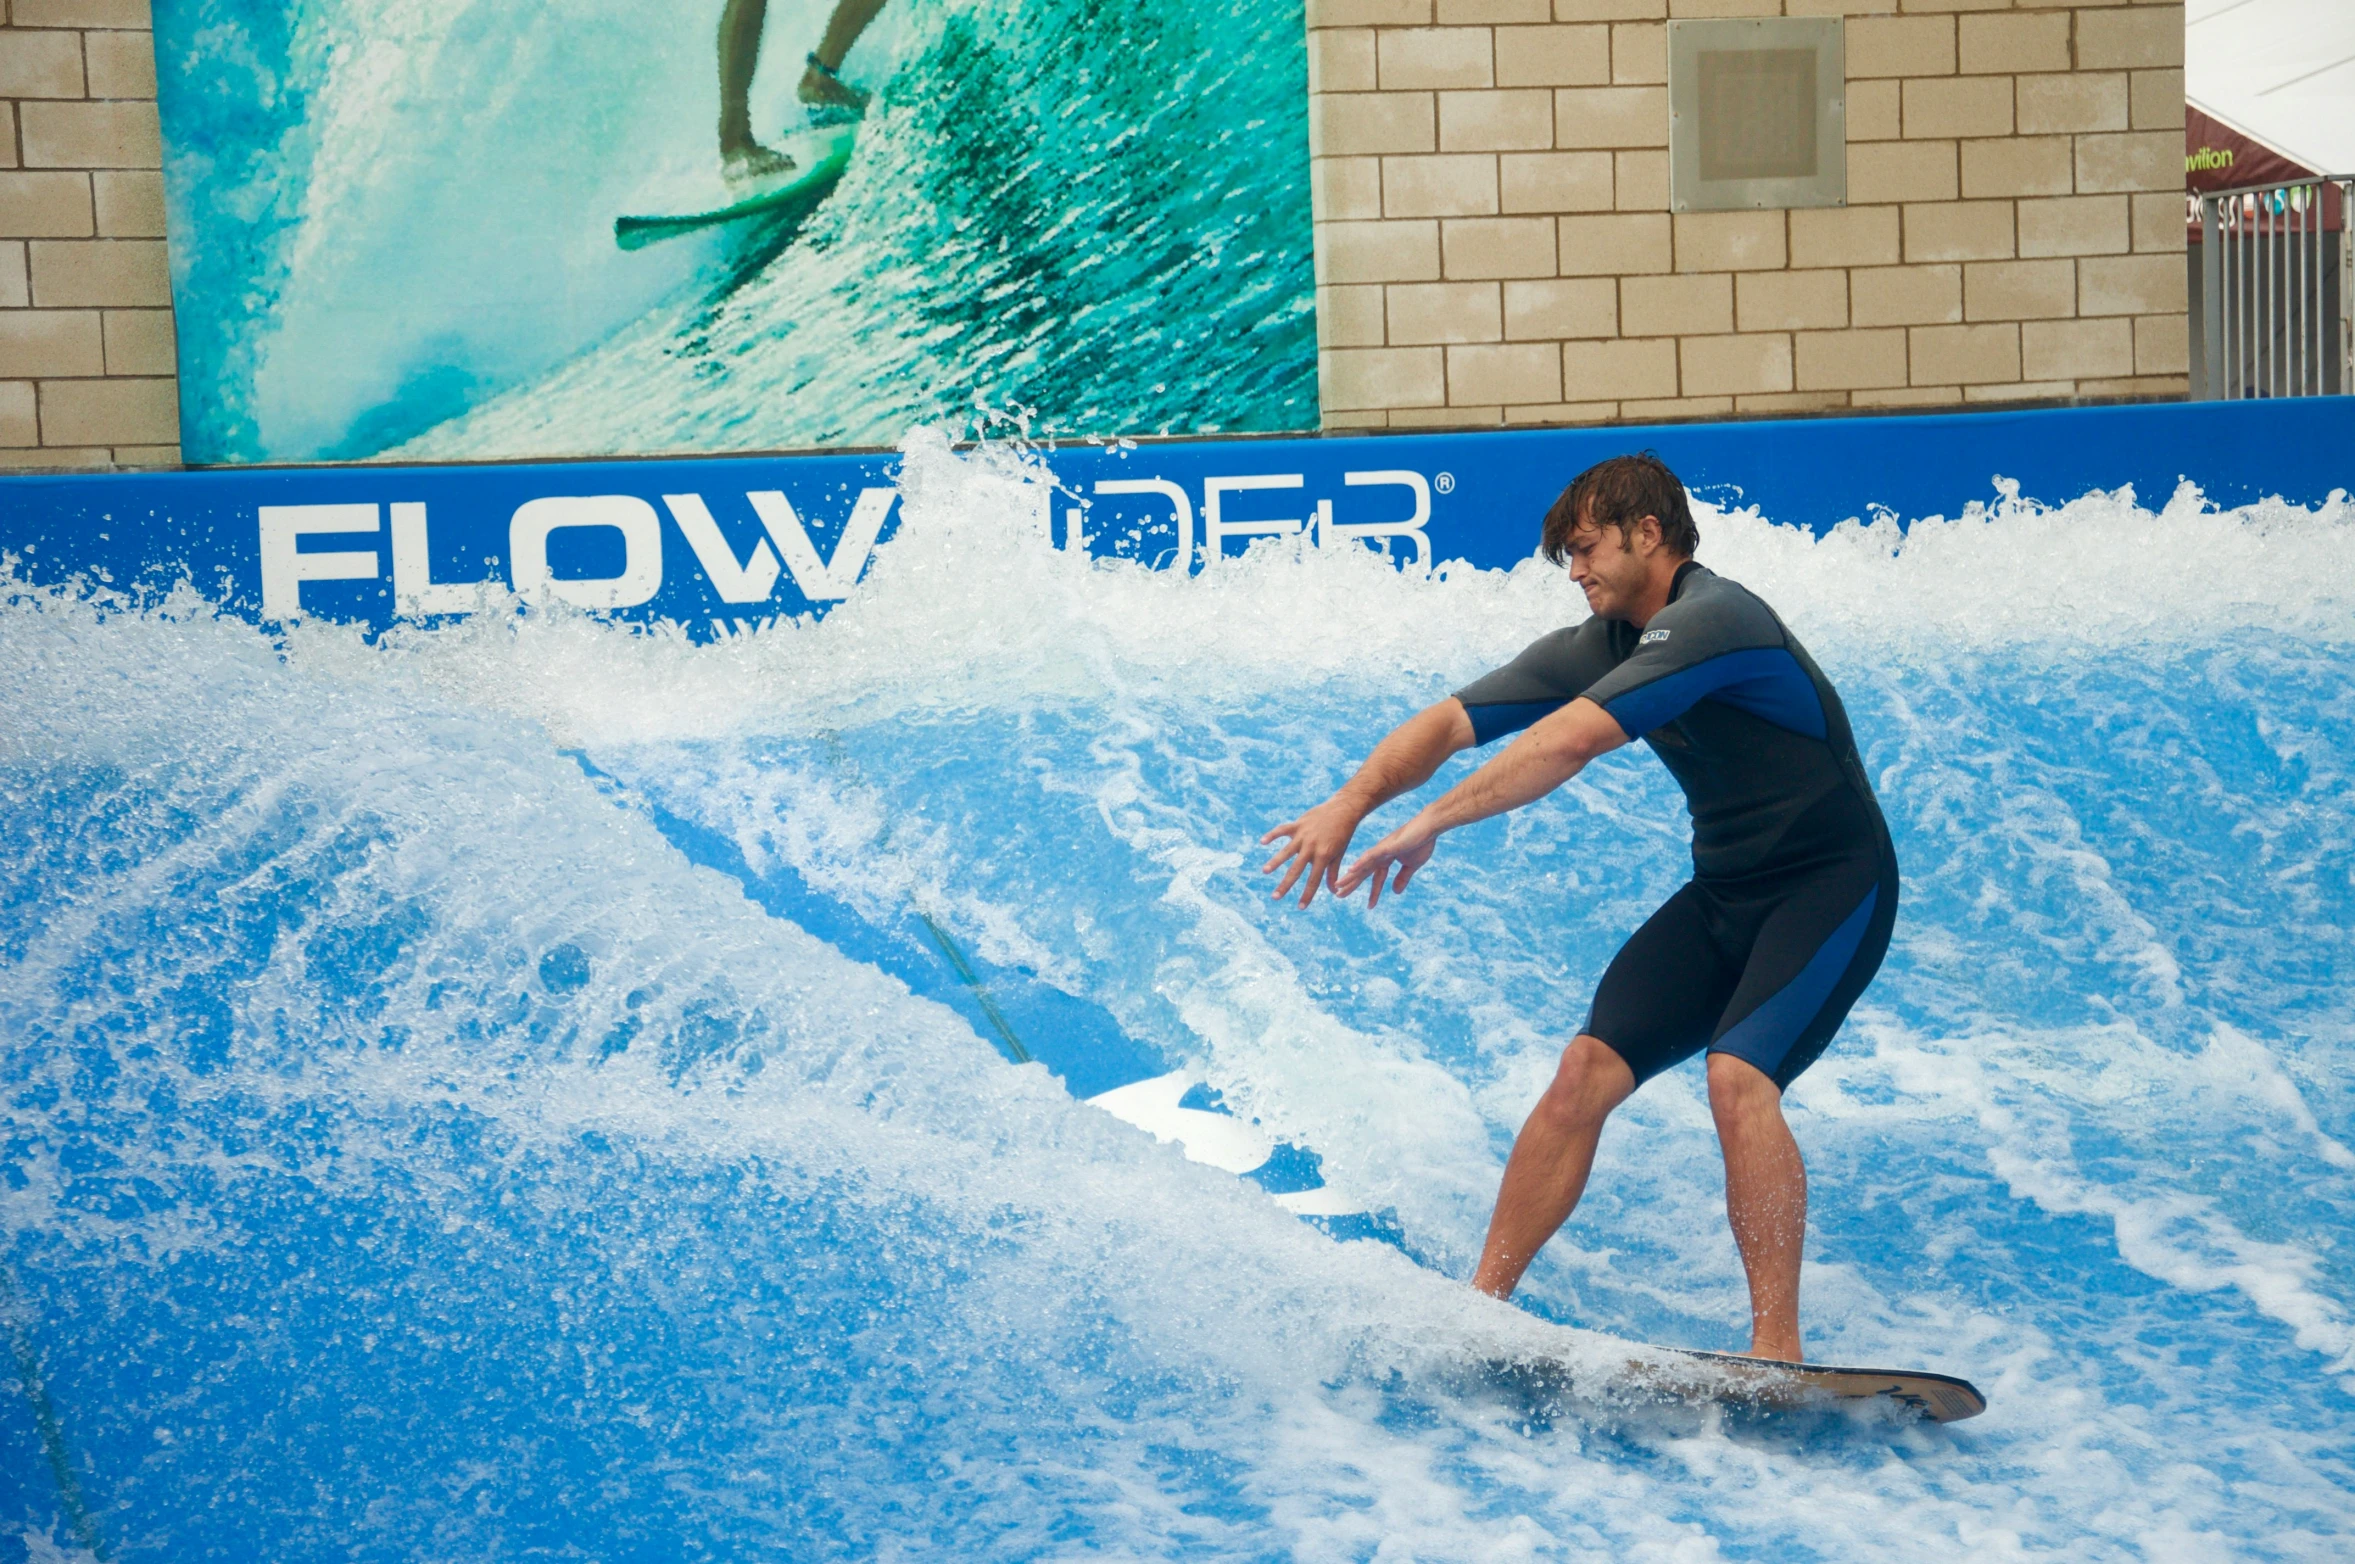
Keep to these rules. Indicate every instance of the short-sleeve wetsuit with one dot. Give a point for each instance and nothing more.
(1794, 888)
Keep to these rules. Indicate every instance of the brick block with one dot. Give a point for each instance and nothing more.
(1676, 306)
(16, 288)
(40, 64)
(122, 65)
(2129, 38)
(1850, 360)
(1900, 46)
(1639, 54)
(37, 344)
(1510, 372)
(2077, 349)
(1873, 111)
(110, 412)
(1481, 248)
(1563, 413)
(2162, 345)
(2136, 160)
(20, 419)
(146, 456)
(1422, 313)
(2073, 104)
(2017, 166)
(2159, 222)
(1915, 396)
(130, 203)
(1558, 307)
(90, 135)
(2020, 290)
(1881, 171)
(1350, 317)
(1620, 245)
(1368, 13)
(1611, 117)
(1729, 241)
(1358, 418)
(1553, 56)
(45, 206)
(1839, 7)
(1346, 123)
(1945, 108)
(1342, 59)
(1403, 251)
(70, 273)
(1609, 10)
(1381, 377)
(1518, 119)
(2131, 285)
(1959, 231)
(1345, 189)
(1426, 58)
(140, 342)
(2013, 43)
(1793, 301)
(1620, 368)
(1734, 366)
(2155, 100)
(2020, 391)
(1681, 9)
(1844, 236)
(1792, 402)
(1963, 355)
(7, 133)
(1640, 181)
(1445, 417)
(2079, 225)
(1905, 295)
(1677, 409)
(1454, 13)
(2141, 388)
(80, 13)
(1443, 185)
(1554, 182)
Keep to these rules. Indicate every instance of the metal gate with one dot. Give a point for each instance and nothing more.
(2274, 265)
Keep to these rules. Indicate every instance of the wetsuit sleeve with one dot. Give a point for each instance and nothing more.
(1551, 672)
(1717, 642)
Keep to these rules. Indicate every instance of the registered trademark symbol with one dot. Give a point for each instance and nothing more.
(1445, 483)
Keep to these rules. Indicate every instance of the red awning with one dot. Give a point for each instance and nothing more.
(2218, 157)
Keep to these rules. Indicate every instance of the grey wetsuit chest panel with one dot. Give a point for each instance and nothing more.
(1732, 704)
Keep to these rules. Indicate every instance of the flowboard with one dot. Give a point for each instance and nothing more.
(819, 157)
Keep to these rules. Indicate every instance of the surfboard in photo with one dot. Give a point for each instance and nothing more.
(1729, 1378)
(710, 201)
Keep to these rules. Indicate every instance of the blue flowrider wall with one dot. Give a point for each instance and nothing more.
(710, 543)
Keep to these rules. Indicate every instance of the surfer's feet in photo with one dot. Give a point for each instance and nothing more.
(826, 94)
(753, 162)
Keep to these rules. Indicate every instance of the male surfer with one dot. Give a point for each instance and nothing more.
(741, 155)
(1794, 889)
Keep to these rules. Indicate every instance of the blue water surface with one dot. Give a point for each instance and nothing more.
(419, 1142)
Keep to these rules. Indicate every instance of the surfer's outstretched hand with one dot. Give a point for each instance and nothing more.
(1406, 849)
(1318, 841)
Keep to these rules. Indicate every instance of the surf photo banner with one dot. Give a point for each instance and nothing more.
(439, 230)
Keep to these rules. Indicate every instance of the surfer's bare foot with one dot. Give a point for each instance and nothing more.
(822, 89)
(753, 162)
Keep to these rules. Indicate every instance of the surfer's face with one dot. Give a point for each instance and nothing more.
(1612, 565)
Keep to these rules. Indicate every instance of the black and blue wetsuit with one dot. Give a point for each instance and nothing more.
(1794, 888)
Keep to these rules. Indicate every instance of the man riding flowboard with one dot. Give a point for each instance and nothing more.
(1794, 888)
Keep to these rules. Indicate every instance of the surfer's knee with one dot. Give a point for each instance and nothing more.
(1738, 1088)
(1590, 1081)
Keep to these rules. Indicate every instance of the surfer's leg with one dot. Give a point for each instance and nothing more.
(1551, 1158)
(819, 84)
(739, 49)
(1765, 1199)
(1656, 1005)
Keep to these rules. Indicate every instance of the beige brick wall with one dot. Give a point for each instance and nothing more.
(1494, 243)
(86, 350)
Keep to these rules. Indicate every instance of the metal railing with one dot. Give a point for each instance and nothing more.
(2274, 265)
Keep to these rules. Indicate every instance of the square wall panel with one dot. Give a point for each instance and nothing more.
(1757, 114)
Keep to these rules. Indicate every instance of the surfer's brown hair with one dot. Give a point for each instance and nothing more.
(1621, 492)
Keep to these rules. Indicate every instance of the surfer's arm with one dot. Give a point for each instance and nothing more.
(1406, 759)
(1548, 753)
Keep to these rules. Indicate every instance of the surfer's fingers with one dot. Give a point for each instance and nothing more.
(1284, 887)
(1288, 828)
